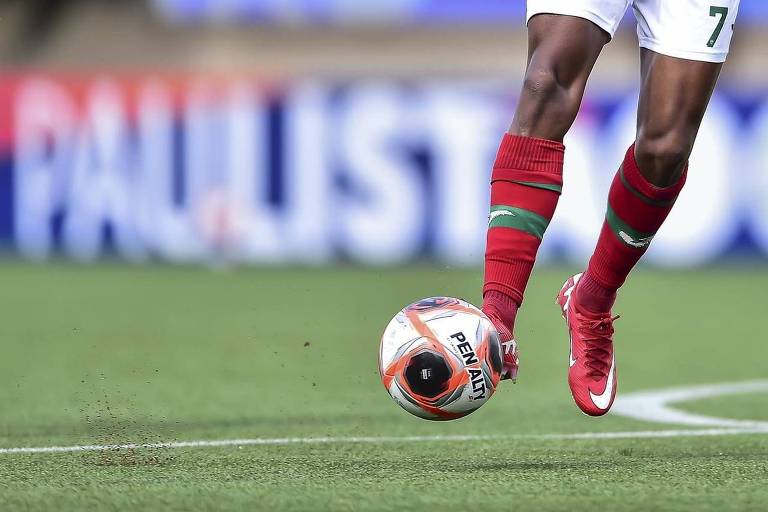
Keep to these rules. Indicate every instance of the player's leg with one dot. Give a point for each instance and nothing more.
(527, 174)
(562, 50)
(683, 46)
(673, 98)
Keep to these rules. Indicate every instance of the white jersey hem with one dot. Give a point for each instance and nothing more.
(578, 13)
(703, 56)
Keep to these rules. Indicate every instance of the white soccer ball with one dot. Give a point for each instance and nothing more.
(440, 358)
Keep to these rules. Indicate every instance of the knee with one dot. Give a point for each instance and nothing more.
(541, 85)
(544, 88)
(548, 105)
(662, 159)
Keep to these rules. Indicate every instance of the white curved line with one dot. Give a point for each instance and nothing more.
(655, 406)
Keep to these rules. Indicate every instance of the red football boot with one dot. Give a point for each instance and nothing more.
(510, 357)
(592, 372)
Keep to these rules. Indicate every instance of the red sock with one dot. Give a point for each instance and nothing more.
(636, 211)
(525, 185)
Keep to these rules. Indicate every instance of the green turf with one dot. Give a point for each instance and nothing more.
(749, 406)
(112, 354)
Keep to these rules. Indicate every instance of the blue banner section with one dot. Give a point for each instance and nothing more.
(196, 169)
(410, 11)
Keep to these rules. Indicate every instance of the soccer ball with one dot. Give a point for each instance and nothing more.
(440, 358)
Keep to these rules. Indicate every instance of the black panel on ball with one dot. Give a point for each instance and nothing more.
(427, 374)
(494, 349)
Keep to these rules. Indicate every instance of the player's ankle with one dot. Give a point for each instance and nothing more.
(594, 297)
(502, 307)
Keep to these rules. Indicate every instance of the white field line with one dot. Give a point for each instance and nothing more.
(643, 434)
(646, 406)
(655, 405)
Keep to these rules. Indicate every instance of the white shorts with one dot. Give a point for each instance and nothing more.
(688, 29)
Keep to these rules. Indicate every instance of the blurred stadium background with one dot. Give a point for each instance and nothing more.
(322, 131)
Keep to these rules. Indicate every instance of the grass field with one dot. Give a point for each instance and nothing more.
(117, 354)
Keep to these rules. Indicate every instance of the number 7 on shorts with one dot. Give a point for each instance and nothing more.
(714, 10)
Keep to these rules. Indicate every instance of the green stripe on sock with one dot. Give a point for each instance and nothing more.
(503, 216)
(639, 195)
(627, 233)
(545, 186)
